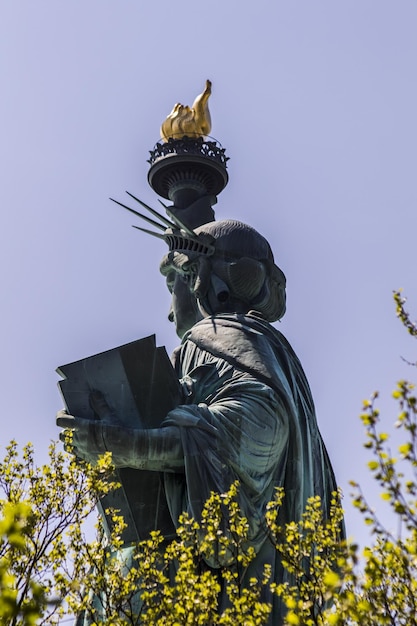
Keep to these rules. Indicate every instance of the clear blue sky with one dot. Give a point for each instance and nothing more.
(315, 102)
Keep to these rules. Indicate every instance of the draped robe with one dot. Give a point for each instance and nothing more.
(247, 414)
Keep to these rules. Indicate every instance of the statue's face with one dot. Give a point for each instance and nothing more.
(184, 311)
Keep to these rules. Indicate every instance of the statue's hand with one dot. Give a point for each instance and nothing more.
(82, 436)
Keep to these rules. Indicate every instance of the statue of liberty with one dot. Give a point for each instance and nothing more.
(246, 412)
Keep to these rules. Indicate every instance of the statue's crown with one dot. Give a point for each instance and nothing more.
(177, 235)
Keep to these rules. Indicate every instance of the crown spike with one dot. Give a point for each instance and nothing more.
(179, 223)
(150, 232)
(155, 213)
(144, 217)
(176, 219)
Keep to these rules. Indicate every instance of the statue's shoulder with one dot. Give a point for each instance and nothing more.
(217, 326)
(234, 337)
(249, 343)
(246, 342)
(232, 324)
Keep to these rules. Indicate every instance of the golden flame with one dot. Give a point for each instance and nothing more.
(191, 122)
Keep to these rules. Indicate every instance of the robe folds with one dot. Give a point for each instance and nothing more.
(248, 415)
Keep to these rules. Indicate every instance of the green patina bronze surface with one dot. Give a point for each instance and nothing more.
(246, 412)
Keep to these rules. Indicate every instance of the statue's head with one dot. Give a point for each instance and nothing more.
(226, 267)
(220, 267)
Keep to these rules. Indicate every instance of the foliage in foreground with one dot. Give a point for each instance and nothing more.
(46, 564)
(40, 510)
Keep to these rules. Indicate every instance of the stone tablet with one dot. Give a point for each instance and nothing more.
(139, 384)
